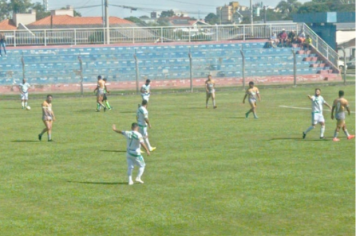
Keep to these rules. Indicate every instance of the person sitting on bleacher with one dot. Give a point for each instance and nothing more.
(307, 43)
(301, 37)
(292, 37)
(282, 36)
(273, 41)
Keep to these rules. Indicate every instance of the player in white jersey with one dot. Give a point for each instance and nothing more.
(133, 152)
(24, 92)
(317, 113)
(143, 123)
(210, 91)
(146, 91)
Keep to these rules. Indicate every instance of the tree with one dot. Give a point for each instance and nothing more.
(212, 19)
(166, 14)
(288, 7)
(4, 10)
(19, 6)
(312, 7)
(136, 20)
(40, 11)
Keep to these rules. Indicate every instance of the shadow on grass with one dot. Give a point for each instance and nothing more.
(86, 111)
(103, 183)
(300, 139)
(127, 112)
(236, 117)
(112, 151)
(25, 141)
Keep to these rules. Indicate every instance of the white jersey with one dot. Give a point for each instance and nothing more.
(134, 140)
(317, 104)
(142, 114)
(146, 88)
(24, 87)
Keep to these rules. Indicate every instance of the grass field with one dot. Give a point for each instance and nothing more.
(213, 173)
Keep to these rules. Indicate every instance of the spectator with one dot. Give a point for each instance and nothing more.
(2, 43)
(283, 37)
(307, 43)
(273, 41)
(301, 37)
(292, 37)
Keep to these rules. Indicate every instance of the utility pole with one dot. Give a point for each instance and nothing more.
(107, 23)
(251, 16)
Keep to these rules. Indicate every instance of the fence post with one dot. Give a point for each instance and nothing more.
(75, 36)
(137, 72)
(45, 37)
(14, 38)
(189, 35)
(133, 35)
(243, 69)
(81, 75)
(190, 70)
(23, 68)
(217, 33)
(294, 67)
(244, 33)
(161, 34)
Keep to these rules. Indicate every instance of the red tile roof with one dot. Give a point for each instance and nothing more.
(7, 25)
(69, 20)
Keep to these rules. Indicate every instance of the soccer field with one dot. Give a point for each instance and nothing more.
(213, 173)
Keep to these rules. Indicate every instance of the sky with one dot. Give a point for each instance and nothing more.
(194, 8)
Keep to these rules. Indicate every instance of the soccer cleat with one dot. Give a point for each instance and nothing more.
(246, 115)
(97, 110)
(256, 117)
(215, 107)
(139, 180)
(336, 139)
(152, 149)
(50, 140)
(39, 137)
(304, 135)
(104, 109)
(321, 137)
(131, 182)
(350, 137)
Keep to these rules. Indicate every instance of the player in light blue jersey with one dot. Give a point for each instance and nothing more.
(317, 112)
(144, 123)
(146, 91)
(133, 151)
(24, 93)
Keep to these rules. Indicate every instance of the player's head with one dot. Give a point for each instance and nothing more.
(99, 77)
(341, 93)
(251, 84)
(148, 82)
(134, 126)
(49, 98)
(209, 77)
(24, 80)
(317, 91)
(144, 103)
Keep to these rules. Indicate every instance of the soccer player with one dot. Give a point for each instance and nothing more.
(339, 106)
(100, 93)
(105, 98)
(252, 93)
(24, 92)
(143, 122)
(47, 117)
(133, 152)
(317, 113)
(210, 91)
(145, 90)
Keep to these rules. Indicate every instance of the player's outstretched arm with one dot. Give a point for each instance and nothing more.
(326, 104)
(145, 147)
(310, 97)
(116, 130)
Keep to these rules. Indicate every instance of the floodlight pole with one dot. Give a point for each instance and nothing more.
(107, 23)
(344, 70)
(251, 16)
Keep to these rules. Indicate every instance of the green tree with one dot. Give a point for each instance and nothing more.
(136, 20)
(40, 11)
(4, 10)
(19, 6)
(289, 7)
(165, 14)
(312, 7)
(212, 19)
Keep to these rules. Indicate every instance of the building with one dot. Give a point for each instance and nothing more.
(7, 25)
(24, 18)
(69, 10)
(155, 14)
(230, 13)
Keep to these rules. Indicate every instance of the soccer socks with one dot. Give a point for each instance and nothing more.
(214, 102)
(148, 144)
(336, 134)
(310, 128)
(107, 104)
(49, 137)
(140, 173)
(322, 130)
(23, 104)
(98, 107)
(346, 133)
(255, 115)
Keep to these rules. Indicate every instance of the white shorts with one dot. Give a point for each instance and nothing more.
(317, 118)
(135, 160)
(252, 100)
(145, 97)
(47, 118)
(143, 131)
(24, 96)
(100, 92)
(340, 116)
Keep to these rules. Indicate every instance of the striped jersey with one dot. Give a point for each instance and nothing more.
(134, 140)
(142, 114)
(317, 104)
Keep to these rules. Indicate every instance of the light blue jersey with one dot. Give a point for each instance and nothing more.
(24, 87)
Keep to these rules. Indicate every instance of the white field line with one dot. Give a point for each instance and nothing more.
(302, 108)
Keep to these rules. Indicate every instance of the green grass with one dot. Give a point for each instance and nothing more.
(214, 172)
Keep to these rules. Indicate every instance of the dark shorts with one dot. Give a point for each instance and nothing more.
(105, 97)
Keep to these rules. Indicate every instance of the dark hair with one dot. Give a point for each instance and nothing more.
(134, 125)
(318, 89)
(49, 95)
(148, 81)
(99, 76)
(251, 82)
(341, 93)
(144, 102)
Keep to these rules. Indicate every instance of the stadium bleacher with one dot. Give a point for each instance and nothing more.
(117, 63)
